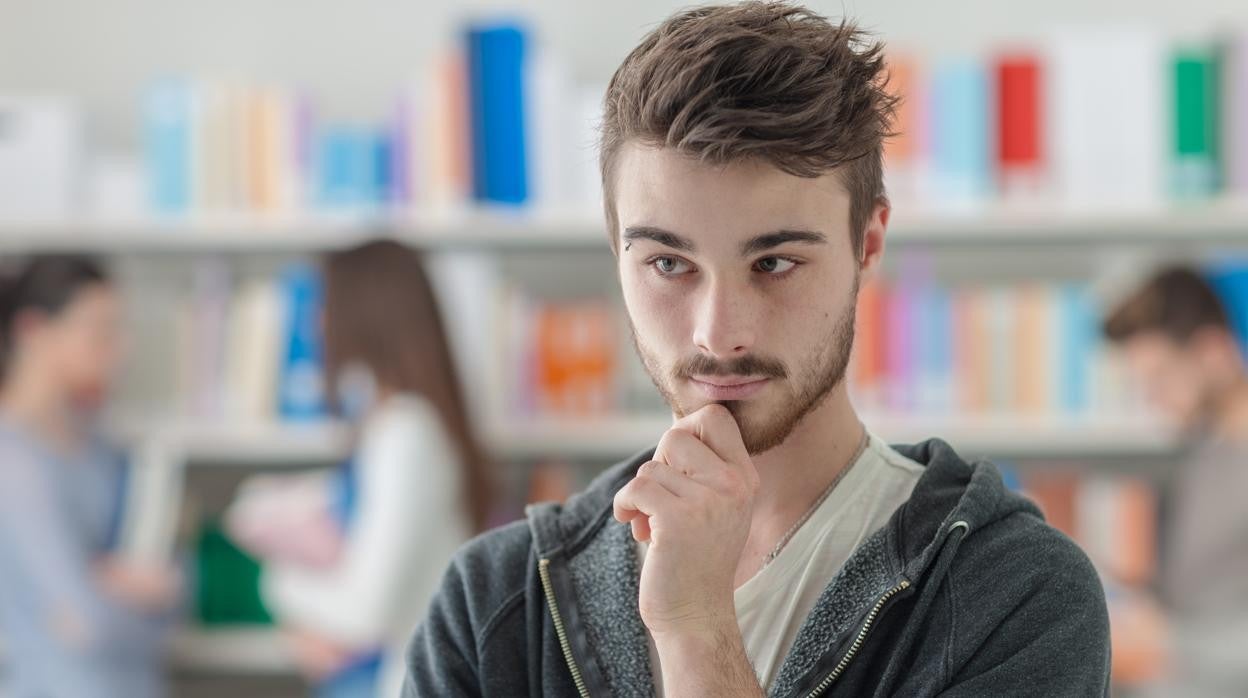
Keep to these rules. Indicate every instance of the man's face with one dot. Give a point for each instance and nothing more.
(740, 283)
(1173, 377)
(1187, 381)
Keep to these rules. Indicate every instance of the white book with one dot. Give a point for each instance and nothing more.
(1107, 117)
(41, 156)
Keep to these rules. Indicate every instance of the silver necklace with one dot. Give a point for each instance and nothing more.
(862, 447)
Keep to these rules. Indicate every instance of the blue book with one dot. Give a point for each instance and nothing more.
(344, 173)
(1078, 340)
(301, 387)
(496, 55)
(935, 348)
(960, 131)
(1230, 281)
(167, 114)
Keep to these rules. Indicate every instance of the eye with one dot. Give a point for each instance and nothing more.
(775, 266)
(669, 266)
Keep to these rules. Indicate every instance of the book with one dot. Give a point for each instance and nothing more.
(301, 383)
(167, 116)
(496, 69)
(1195, 150)
(1020, 124)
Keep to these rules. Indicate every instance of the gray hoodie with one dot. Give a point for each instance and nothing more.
(964, 592)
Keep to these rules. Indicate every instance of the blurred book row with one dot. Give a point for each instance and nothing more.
(1095, 118)
(494, 120)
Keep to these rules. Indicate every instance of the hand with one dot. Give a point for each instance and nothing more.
(317, 656)
(693, 504)
(145, 586)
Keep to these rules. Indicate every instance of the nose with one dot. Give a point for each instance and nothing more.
(726, 320)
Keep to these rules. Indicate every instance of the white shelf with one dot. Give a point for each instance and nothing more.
(235, 650)
(261, 443)
(616, 437)
(1007, 436)
(1223, 221)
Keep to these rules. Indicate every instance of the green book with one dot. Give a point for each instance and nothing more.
(227, 585)
(1196, 163)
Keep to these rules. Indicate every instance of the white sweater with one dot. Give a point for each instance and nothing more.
(408, 522)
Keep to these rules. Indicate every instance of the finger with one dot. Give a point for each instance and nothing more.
(641, 528)
(681, 484)
(642, 494)
(715, 426)
(681, 449)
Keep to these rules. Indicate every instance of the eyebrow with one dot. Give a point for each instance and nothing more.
(754, 245)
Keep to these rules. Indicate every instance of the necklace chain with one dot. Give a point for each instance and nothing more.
(862, 447)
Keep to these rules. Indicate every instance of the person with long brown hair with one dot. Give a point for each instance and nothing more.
(416, 488)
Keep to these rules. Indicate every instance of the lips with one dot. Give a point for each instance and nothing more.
(729, 387)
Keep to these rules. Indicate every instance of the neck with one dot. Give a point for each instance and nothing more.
(794, 474)
(36, 404)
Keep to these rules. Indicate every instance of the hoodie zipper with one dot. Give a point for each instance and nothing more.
(543, 568)
(862, 635)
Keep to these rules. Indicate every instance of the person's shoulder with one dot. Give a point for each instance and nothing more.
(1021, 561)
(491, 570)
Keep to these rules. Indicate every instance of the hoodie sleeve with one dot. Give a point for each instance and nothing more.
(1029, 615)
(473, 632)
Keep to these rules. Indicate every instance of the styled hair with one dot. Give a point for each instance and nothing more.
(380, 311)
(45, 283)
(762, 80)
(1176, 302)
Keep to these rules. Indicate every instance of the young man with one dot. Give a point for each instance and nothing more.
(768, 544)
(1176, 339)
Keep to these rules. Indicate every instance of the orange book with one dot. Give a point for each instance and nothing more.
(903, 82)
(971, 349)
(868, 352)
(1032, 341)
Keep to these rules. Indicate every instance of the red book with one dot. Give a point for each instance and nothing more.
(1020, 150)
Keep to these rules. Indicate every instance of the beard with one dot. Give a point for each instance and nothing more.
(803, 389)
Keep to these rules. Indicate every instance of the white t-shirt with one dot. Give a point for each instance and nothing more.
(773, 604)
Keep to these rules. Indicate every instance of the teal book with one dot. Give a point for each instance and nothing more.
(1195, 147)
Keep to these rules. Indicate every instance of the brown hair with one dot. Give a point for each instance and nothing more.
(380, 310)
(46, 283)
(766, 80)
(1177, 302)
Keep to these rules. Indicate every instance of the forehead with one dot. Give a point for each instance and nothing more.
(664, 188)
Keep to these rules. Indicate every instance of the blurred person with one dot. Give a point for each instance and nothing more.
(1176, 339)
(769, 544)
(352, 558)
(77, 619)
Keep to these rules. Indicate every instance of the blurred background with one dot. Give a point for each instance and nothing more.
(210, 166)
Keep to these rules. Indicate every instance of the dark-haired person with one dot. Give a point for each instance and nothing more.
(76, 619)
(415, 489)
(1176, 338)
(770, 543)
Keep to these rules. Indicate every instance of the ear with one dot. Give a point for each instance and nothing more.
(873, 240)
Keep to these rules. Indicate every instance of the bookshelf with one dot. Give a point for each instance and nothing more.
(1221, 222)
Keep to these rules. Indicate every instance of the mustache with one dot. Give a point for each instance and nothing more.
(703, 365)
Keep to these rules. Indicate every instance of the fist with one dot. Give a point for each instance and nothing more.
(693, 504)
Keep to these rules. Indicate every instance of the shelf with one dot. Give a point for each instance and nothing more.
(272, 443)
(233, 650)
(617, 437)
(1223, 221)
(973, 436)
